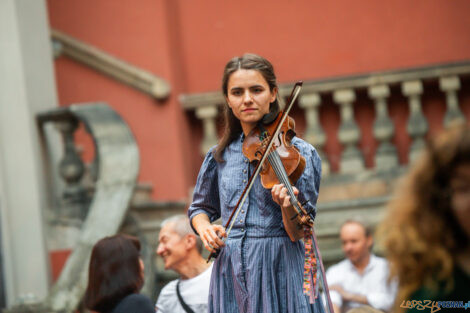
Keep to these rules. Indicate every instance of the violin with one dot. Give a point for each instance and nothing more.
(285, 165)
(284, 153)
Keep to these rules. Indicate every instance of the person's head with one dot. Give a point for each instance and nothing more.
(356, 240)
(177, 242)
(250, 89)
(115, 271)
(428, 221)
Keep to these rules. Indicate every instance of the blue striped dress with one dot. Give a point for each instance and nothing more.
(260, 269)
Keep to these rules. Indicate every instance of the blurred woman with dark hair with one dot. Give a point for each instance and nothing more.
(116, 275)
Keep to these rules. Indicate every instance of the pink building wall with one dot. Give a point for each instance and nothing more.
(188, 43)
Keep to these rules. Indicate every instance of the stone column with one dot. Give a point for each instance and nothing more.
(26, 87)
(314, 133)
(417, 125)
(450, 85)
(386, 154)
(207, 114)
(349, 133)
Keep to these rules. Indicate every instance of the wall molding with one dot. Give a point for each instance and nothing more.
(109, 65)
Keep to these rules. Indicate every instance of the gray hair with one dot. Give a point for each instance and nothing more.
(180, 224)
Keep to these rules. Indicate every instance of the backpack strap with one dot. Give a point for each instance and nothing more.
(180, 298)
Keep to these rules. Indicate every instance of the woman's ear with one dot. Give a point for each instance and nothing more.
(227, 102)
(274, 94)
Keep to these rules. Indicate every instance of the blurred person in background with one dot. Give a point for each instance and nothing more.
(115, 277)
(362, 278)
(427, 230)
(181, 249)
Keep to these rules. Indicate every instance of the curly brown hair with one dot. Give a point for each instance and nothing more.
(420, 234)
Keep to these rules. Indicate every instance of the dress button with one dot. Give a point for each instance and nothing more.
(243, 211)
(244, 180)
(244, 171)
(242, 229)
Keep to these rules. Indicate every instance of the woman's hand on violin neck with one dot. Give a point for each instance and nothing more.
(280, 195)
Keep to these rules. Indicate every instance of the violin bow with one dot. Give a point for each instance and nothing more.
(233, 217)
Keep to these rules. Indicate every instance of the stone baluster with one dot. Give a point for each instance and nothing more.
(417, 126)
(71, 168)
(349, 133)
(314, 133)
(450, 85)
(386, 154)
(207, 114)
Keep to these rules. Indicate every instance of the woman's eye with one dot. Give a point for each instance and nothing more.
(236, 92)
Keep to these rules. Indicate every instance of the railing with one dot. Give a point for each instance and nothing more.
(343, 91)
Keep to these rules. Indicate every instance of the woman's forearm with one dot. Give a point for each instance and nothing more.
(200, 220)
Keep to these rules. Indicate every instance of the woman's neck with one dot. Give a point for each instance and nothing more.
(247, 128)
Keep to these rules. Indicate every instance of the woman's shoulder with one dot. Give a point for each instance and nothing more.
(134, 301)
(209, 159)
(299, 142)
(304, 147)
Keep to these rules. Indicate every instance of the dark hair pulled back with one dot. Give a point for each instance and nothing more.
(232, 126)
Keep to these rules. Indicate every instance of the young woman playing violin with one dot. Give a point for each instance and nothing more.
(259, 268)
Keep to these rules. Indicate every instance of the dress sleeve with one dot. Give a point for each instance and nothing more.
(309, 182)
(206, 191)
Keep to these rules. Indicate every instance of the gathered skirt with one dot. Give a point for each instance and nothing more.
(260, 274)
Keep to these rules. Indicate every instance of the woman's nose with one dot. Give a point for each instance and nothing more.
(247, 97)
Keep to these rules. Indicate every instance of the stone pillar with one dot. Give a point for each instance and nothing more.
(386, 154)
(450, 85)
(417, 125)
(207, 114)
(349, 133)
(314, 133)
(26, 87)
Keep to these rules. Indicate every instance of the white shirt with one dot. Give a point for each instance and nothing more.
(194, 291)
(372, 283)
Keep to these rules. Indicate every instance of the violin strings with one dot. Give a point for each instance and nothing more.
(281, 174)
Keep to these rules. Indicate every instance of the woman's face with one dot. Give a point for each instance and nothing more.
(460, 199)
(249, 97)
